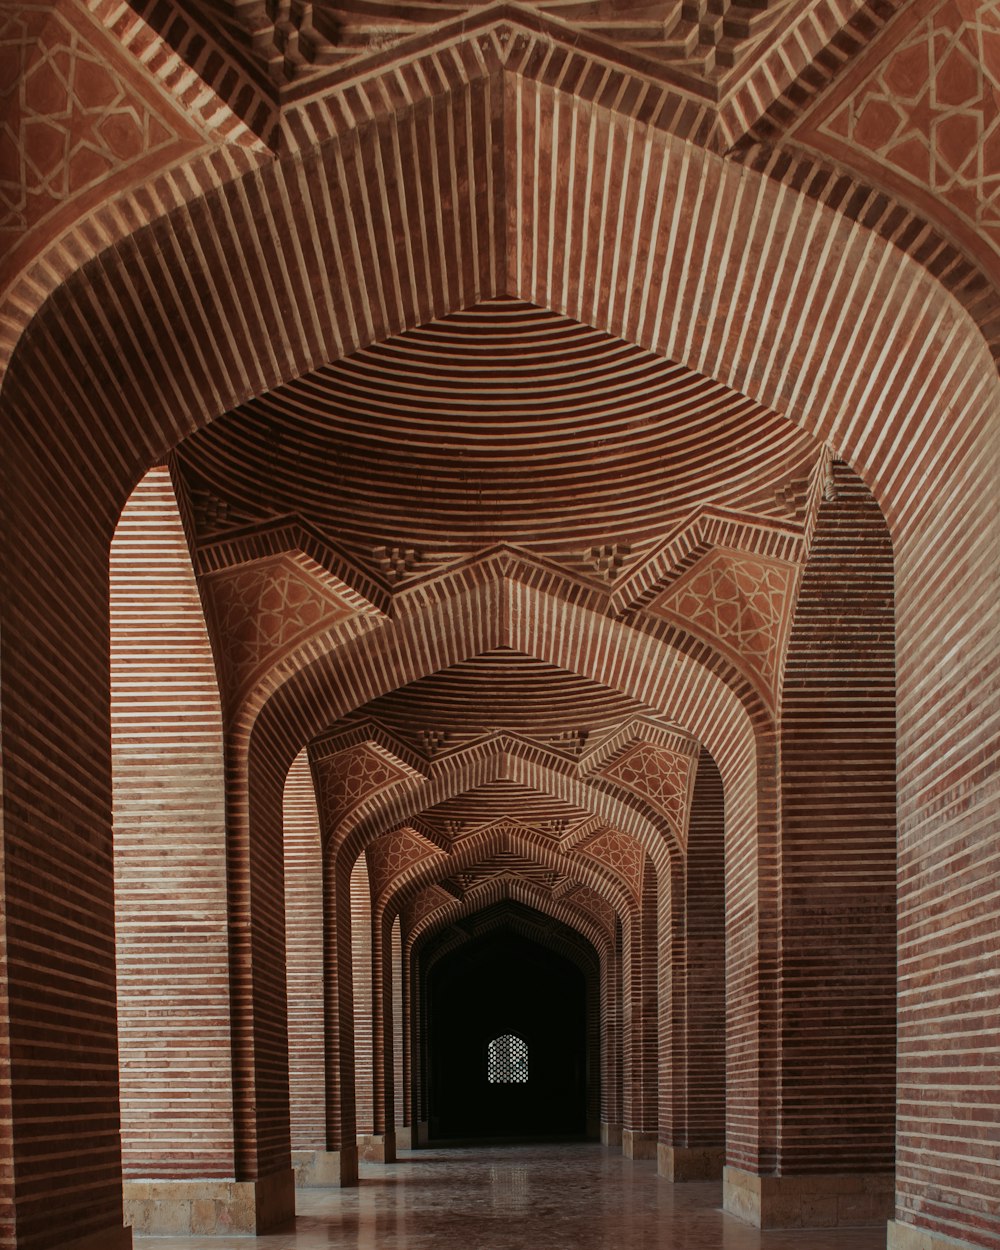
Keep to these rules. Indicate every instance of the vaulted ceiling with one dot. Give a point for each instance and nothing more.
(457, 438)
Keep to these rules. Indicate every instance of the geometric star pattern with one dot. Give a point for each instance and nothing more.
(659, 775)
(68, 118)
(262, 610)
(931, 110)
(392, 853)
(590, 901)
(348, 778)
(740, 601)
(618, 852)
(427, 901)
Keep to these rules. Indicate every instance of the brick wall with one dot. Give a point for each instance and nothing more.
(170, 852)
(304, 959)
(838, 847)
(705, 989)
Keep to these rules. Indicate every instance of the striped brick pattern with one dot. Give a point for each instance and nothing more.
(400, 1029)
(361, 964)
(948, 1082)
(304, 959)
(640, 1059)
(170, 856)
(806, 308)
(838, 839)
(60, 1091)
(703, 1120)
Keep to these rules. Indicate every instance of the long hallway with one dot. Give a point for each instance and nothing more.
(561, 1197)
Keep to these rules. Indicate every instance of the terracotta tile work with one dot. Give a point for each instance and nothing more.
(838, 842)
(922, 111)
(264, 610)
(79, 121)
(170, 856)
(450, 193)
(304, 959)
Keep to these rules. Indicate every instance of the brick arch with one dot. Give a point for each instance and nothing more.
(492, 893)
(224, 170)
(497, 759)
(471, 850)
(150, 405)
(598, 970)
(883, 365)
(480, 618)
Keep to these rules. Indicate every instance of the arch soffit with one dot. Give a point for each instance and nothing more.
(715, 288)
(527, 895)
(479, 45)
(480, 846)
(510, 759)
(503, 613)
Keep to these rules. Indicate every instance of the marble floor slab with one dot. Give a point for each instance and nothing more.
(560, 1197)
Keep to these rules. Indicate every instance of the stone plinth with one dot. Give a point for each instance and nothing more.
(690, 1163)
(638, 1144)
(326, 1169)
(611, 1134)
(377, 1147)
(834, 1200)
(190, 1207)
(906, 1237)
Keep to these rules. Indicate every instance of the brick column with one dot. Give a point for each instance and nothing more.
(401, 1040)
(340, 1167)
(835, 1139)
(304, 943)
(383, 1067)
(694, 1147)
(60, 1188)
(170, 880)
(612, 1037)
(639, 1109)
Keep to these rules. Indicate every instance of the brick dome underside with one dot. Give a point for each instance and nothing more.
(502, 691)
(503, 423)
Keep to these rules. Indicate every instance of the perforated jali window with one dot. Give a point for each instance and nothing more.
(507, 1060)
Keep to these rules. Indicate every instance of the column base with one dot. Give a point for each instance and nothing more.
(834, 1200)
(326, 1169)
(193, 1207)
(404, 1138)
(611, 1134)
(906, 1237)
(377, 1147)
(637, 1144)
(690, 1163)
(423, 1132)
(107, 1239)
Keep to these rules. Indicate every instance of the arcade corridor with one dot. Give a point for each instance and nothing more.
(567, 1197)
(500, 477)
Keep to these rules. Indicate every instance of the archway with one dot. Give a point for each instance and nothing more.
(506, 1038)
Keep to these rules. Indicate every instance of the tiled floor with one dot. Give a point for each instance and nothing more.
(572, 1197)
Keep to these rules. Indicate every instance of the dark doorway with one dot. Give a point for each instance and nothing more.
(507, 1042)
